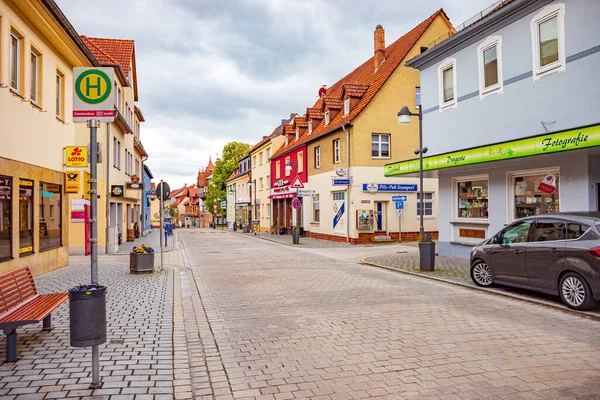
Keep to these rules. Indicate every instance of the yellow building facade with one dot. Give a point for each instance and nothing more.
(38, 52)
(375, 138)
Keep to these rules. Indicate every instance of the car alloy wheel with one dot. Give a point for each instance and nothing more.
(575, 292)
(481, 274)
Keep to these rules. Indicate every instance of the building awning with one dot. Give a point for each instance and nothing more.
(282, 196)
(574, 139)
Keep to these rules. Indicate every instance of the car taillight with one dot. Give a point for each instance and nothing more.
(595, 252)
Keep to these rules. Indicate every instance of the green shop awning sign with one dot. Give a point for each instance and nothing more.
(544, 144)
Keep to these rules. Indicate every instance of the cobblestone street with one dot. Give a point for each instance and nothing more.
(276, 322)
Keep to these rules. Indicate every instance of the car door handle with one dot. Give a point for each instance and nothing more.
(554, 251)
(517, 251)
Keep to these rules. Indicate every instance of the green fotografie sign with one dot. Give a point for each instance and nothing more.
(544, 144)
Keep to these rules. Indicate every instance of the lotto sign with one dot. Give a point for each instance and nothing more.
(76, 156)
(93, 96)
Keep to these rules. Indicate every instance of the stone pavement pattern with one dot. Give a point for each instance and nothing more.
(305, 242)
(457, 270)
(137, 359)
(283, 323)
(152, 238)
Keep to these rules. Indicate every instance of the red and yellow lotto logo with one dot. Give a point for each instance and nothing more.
(76, 156)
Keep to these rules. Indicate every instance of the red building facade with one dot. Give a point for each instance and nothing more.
(282, 190)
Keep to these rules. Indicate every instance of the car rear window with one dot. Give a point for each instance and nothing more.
(576, 229)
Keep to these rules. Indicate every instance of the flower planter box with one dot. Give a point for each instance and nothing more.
(427, 256)
(281, 231)
(295, 236)
(141, 262)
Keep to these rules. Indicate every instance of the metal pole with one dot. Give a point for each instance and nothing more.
(421, 202)
(161, 219)
(93, 125)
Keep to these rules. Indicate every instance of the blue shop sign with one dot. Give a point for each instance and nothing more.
(389, 187)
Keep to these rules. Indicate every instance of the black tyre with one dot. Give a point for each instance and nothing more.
(481, 273)
(575, 292)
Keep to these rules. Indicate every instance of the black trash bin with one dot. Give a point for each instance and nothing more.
(87, 312)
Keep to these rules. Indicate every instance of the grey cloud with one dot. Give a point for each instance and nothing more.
(210, 71)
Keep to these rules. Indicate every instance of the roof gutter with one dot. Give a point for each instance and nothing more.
(471, 34)
(64, 22)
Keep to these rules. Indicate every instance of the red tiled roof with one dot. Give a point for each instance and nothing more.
(314, 113)
(210, 166)
(364, 75)
(354, 90)
(233, 175)
(300, 122)
(111, 51)
(332, 103)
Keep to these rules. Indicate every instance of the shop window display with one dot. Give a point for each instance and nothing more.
(5, 218)
(532, 197)
(50, 216)
(473, 199)
(25, 216)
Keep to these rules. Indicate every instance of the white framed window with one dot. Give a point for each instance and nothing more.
(60, 89)
(417, 97)
(268, 181)
(525, 197)
(318, 157)
(287, 171)
(447, 84)
(260, 158)
(327, 117)
(336, 151)
(15, 62)
(310, 126)
(262, 186)
(548, 40)
(316, 215)
(35, 76)
(300, 161)
(489, 56)
(268, 153)
(347, 106)
(254, 161)
(277, 169)
(427, 204)
(297, 133)
(471, 197)
(380, 145)
(339, 196)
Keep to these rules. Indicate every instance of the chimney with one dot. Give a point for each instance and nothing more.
(379, 47)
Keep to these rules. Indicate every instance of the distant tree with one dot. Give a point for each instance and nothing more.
(223, 167)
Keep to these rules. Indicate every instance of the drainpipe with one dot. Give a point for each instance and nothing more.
(349, 186)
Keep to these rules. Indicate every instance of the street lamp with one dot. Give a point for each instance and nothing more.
(404, 118)
(232, 191)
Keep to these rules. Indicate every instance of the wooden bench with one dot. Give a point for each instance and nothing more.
(20, 304)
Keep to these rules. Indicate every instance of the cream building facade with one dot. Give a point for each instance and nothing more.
(260, 174)
(38, 51)
(121, 153)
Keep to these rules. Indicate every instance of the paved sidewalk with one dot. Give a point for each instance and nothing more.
(457, 270)
(152, 238)
(305, 242)
(137, 359)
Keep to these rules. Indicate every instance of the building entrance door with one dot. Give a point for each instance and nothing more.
(380, 216)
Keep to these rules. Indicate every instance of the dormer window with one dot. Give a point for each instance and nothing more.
(327, 117)
(347, 106)
(310, 126)
(297, 133)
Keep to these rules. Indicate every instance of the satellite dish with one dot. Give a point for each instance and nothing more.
(322, 91)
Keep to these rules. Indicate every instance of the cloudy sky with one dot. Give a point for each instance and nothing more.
(213, 71)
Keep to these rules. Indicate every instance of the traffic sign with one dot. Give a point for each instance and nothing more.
(399, 212)
(93, 95)
(163, 190)
(215, 207)
(306, 192)
(399, 198)
(399, 205)
(296, 204)
(297, 184)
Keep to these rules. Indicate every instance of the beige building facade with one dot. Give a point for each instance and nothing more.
(38, 51)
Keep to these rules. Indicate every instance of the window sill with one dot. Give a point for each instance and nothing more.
(474, 222)
(381, 158)
(6, 259)
(36, 105)
(50, 248)
(490, 91)
(16, 93)
(62, 121)
(29, 253)
(448, 105)
(426, 217)
(315, 224)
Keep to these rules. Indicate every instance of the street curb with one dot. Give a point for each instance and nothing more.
(583, 314)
